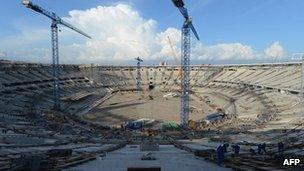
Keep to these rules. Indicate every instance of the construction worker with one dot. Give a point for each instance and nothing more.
(262, 148)
(220, 154)
(236, 149)
(259, 148)
(252, 151)
(225, 146)
(280, 147)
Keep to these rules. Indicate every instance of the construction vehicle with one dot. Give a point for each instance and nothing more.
(138, 124)
(171, 95)
(214, 117)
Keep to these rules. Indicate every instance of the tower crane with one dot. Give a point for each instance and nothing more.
(138, 78)
(55, 52)
(185, 60)
(302, 78)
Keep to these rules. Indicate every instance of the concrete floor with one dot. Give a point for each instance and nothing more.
(168, 158)
(127, 106)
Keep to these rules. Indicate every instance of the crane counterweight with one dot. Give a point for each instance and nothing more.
(178, 3)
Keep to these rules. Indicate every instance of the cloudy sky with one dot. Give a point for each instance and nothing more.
(231, 31)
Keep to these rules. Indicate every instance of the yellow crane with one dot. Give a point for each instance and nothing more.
(176, 58)
(174, 54)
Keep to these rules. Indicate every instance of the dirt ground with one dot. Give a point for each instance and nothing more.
(126, 106)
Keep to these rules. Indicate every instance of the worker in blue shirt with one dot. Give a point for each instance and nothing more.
(221, 150)
(236, 149)
(220, 154)
(225, 146)
(259, 148)
(262, 148)
(280, 147)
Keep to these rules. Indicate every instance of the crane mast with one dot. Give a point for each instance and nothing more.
(138, 77)
(55, 51)
(302, 78)
(185, 61)
(55, 58)
(185, 80)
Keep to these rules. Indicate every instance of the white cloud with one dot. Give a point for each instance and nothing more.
(221, 51)
(28, 45)
(275, 50)
(225, 51)
(120, 33)
(3, 55)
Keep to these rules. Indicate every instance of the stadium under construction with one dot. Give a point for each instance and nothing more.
(150, 117)
(255, 103)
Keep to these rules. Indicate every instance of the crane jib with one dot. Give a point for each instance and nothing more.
(184, 12)
(54, 17)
